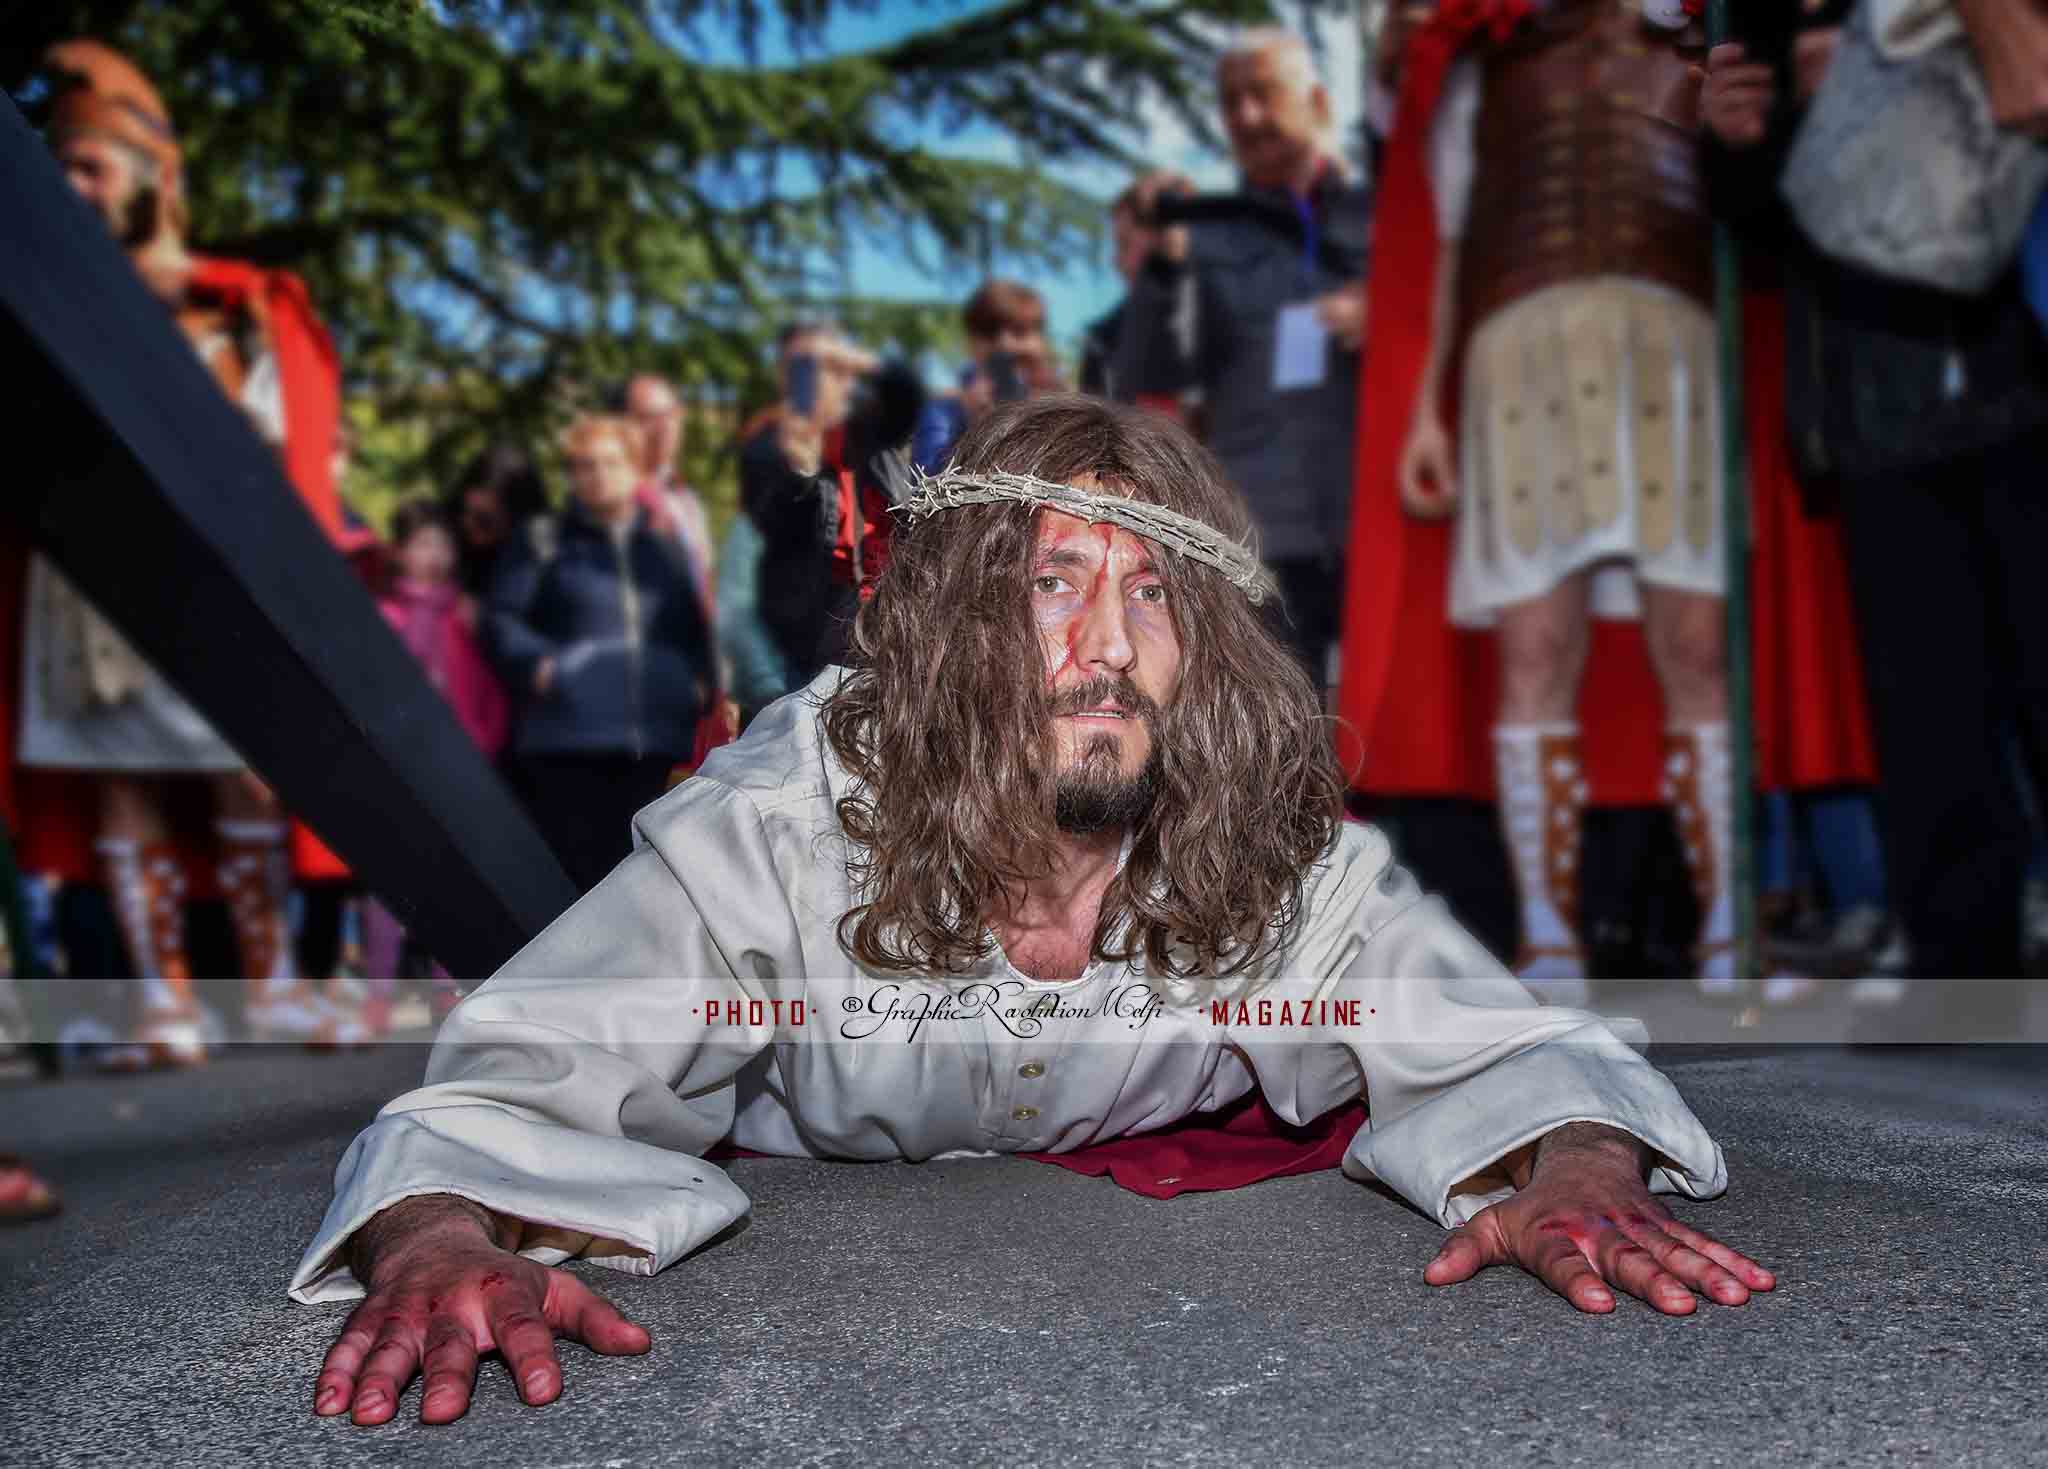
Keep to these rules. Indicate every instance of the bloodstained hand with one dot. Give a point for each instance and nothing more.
(1585, 1223)
(442, 1293)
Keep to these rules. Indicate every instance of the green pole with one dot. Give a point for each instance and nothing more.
(1735, 499)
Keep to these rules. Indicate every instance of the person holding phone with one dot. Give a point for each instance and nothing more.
(817, 473)
(1009, 360)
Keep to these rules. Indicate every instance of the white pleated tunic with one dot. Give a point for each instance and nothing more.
(579, 1088)
(1590, 425)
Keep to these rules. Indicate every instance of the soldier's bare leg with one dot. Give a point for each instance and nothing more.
(1687, 637)
(1543, 647)
(146, 885)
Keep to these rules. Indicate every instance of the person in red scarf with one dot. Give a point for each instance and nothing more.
(1539, 466)
(89, 705)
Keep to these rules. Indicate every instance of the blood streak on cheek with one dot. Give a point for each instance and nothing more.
(1049, 629)
(1070, 653)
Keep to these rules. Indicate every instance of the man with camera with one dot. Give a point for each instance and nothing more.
(817, 481)
(1260, 304)
(1008, 361)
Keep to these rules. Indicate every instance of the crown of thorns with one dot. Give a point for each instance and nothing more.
(1182, 534)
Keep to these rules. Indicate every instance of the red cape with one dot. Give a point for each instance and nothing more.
(1418, 696)
(53, 811)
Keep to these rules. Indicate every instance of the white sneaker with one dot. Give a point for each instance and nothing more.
(1884, 984)
(1877, 991)
(163, 1038)
(1779, 990)
(1722, 988)
(301, 1014)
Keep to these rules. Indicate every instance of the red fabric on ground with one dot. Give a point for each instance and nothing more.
(1241, 1144)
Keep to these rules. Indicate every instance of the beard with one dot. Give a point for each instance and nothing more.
(1093, 794)
(1088, 800)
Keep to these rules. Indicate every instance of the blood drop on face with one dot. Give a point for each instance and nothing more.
(1064, 616)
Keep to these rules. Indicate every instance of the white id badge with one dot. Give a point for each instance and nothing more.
(1301, 349)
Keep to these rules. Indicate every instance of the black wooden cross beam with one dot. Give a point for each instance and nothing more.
(130, 469)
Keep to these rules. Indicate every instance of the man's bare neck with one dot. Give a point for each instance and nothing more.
(1049, 931)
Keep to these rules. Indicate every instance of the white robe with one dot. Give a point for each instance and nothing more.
(579, 1088)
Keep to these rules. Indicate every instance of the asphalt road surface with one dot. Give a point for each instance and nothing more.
(1001, 1311)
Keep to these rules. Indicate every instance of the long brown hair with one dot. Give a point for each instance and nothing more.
(946, 726)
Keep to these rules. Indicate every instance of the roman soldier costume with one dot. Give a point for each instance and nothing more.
(1558, 145)
(86, 704)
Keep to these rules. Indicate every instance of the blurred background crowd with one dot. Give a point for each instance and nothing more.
(600, 335)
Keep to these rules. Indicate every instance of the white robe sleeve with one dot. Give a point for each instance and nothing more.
(579, 1087)
(1460, 1065)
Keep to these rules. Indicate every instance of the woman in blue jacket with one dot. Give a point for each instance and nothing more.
(597, 629)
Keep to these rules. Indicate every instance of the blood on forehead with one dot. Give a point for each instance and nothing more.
(1059, 535)
(1091, 548)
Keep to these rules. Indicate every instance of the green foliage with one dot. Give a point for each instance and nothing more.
(506, 206)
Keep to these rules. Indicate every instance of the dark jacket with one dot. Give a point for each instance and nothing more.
(634, 664)
(806, 604)
(1098, 356)
(1212, 323)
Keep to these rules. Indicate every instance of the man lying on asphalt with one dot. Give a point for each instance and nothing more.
(1061, 860)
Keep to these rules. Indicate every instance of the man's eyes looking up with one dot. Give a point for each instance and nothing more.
(1153, 593)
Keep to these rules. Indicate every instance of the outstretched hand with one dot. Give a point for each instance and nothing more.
(1586, 1225)
(441, 1301)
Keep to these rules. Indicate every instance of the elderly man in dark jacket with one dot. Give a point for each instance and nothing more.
(597, 628)
(1260, 303)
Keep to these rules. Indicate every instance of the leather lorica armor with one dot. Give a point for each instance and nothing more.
(1587, 159)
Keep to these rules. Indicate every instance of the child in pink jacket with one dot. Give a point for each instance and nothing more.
(426, 607)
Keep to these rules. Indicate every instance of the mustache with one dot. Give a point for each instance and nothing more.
(1106, 690)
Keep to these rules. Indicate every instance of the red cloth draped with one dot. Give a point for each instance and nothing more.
(1244, 1143)
(1241, 1144)
(1418, 696)
(1812, 722)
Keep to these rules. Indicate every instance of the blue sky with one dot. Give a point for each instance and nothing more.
(1085, 288)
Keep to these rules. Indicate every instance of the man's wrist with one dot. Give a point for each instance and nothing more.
(388, 1232)
(1579, 1143)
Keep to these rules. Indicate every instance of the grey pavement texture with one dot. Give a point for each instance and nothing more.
(1006, 1311)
